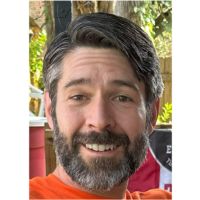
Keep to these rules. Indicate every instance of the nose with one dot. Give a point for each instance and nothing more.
(100, 116)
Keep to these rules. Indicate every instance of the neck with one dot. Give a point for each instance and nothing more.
(118, 192)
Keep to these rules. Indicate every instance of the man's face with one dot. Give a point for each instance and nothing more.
(100, 125)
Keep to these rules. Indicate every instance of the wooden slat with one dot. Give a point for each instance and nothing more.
(49, 150)
(166, 71)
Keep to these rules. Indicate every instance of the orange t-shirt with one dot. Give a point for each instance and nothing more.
(51, 187)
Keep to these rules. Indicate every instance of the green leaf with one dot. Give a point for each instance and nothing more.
(36, 49)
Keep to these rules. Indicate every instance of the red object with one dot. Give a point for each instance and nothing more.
(146, 177)
(37, 163)
(156, 171)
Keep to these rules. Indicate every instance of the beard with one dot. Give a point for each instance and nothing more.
(101, 173)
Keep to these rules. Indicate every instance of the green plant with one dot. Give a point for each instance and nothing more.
(166, 115)
(155, 18)
(36, 53)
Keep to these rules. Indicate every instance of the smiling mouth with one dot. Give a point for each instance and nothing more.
(101, 147)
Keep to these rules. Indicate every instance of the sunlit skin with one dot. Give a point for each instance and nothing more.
(99, 91)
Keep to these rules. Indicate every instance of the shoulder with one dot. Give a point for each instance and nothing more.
(37, 181)
(38, 186)
(153, 194)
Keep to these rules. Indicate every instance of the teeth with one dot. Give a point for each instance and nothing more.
(95, 147)
(89, 146)
(100, 147)
(112, 147)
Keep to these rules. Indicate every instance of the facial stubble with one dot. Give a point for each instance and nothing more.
(99, 174)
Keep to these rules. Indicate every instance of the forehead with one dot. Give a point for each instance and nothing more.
(83, 59)
(98, 67)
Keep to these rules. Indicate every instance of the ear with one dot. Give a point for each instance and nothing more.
(47, 102)
(154, 110)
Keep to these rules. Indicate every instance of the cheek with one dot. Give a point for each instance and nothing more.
(142, 116)
(69, 120)
(133, 122)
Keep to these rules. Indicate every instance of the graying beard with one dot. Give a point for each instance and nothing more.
(103, 176)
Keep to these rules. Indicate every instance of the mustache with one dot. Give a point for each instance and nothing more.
(106, 137)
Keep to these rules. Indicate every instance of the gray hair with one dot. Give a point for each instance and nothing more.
(103, 30)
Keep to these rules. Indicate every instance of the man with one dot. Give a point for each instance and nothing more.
(103, 85)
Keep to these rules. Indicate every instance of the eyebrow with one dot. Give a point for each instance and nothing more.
(126, 83)
(81, 81)
(120, 83)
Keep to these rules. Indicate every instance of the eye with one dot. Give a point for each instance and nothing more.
(122, 98)
(78, 97)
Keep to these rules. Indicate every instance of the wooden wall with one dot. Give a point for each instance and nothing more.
(166, 71)
(49, 150)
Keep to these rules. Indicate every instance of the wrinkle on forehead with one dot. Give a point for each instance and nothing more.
(98, 65)
(94, 55)
(80, 58)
